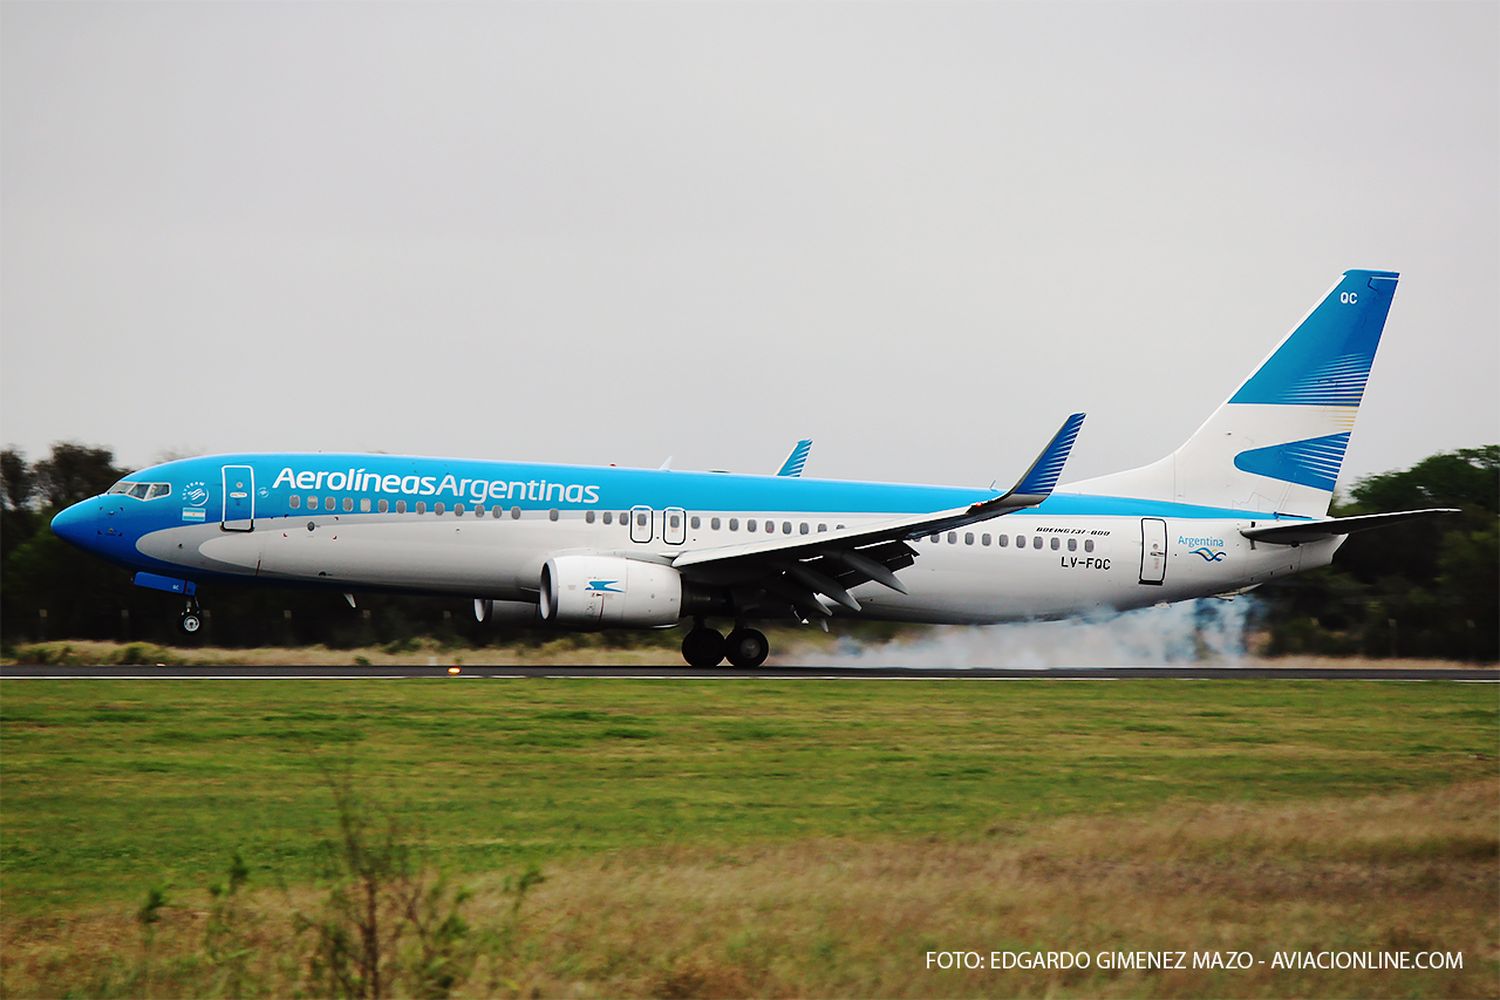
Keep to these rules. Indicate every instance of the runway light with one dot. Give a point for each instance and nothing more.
(453, 670)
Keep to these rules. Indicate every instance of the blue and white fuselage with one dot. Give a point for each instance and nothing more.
(1242, 502)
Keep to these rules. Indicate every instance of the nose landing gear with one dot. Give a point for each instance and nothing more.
(192, 618)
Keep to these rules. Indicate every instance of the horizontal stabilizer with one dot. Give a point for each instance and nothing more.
(1297, 532)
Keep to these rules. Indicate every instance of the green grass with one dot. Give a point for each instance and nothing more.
(108, 787)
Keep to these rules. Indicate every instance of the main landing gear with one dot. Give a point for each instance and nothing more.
(192, 618)
(745, 648)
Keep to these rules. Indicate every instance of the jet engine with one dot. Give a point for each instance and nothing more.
(605, 591)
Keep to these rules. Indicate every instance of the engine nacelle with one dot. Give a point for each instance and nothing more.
(605, 591)
(516, 612)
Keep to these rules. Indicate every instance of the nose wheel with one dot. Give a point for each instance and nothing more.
(191, 620)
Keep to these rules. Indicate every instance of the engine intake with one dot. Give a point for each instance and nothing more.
(604, 591)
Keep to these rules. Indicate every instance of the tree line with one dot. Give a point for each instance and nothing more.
(1424, 589)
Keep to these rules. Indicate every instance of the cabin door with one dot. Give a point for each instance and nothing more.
(1153, 550)
(239, 498)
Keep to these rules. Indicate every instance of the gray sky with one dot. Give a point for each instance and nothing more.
(921, 234)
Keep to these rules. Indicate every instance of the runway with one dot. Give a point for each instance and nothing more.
(776, 673)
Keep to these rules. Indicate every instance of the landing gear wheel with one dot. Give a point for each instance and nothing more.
(189, 623)
(747, 648)
(703, 647)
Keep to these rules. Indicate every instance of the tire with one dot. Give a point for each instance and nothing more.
(703, 648)
(189, 623)
(747, 648)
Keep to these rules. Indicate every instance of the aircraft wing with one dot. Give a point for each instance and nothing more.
(799, 570)
(797, 460)
(1297, 532)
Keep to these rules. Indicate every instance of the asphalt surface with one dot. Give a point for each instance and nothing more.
(26, 671)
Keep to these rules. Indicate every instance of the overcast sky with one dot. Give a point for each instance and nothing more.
(921, 234)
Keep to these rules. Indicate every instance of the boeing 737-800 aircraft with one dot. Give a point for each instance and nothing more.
(1243, 501)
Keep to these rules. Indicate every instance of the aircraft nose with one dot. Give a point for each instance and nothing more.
(75, 524)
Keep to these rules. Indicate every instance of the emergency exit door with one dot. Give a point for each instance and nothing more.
(642, 524)
(239, 498)
(1153, 550)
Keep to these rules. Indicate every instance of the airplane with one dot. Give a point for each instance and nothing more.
(1243, 501)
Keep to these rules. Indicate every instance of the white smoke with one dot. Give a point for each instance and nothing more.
(1207, 631)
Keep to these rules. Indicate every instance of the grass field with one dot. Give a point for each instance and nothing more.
(778, 838)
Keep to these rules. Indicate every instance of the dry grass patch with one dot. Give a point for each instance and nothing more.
(829, 917)
(1409, 872)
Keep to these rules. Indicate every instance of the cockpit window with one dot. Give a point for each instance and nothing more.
(141, 491)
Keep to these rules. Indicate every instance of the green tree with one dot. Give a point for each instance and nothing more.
(74, 472)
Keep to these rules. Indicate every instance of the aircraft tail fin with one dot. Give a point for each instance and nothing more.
(1276, 445)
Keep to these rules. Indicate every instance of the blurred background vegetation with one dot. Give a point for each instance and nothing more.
(1429, 589)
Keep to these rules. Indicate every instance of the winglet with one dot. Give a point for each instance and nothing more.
(1044, 472)
(797, 460)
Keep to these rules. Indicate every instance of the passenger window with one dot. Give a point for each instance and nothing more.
(932, 538)
(328, 503)
(588, 517)
(1002, 540)
(1020, 541)
(734, 524)
(641, 520)
(1072, 545)
(609, 517)
(400, 506)
(822, 527)
(984, 539)
(479, 510)
(952, 538)
(1036, 542)
(750, 525)
(439, 507)
(421, 506)
(673, 520)
(495, 512)
(695, 522)
(312, 503)
(714, 523)
(552, 515)
(786, 527)
(364, 505)
(458, 510)
(294, 503)
(385, 506)
(1088, 545)
(515, 513)
(968, 538)
(803, 527)
(1056, 543)
(348, 504)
